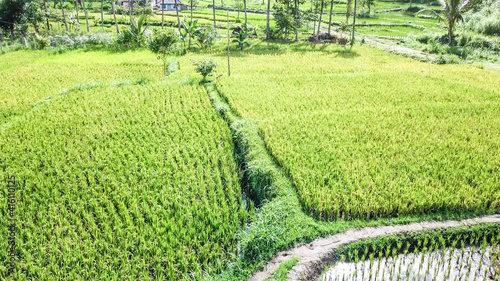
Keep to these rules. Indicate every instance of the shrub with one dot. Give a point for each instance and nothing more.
(447, 59)
(205, 67)
(162, 45)
(41, 42)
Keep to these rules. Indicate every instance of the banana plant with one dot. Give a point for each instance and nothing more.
(241, 36)
(205, 37)
(190, 28)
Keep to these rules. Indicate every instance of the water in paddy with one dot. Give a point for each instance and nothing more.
(470, 263)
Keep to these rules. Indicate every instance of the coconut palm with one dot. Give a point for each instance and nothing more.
(268, 30)
(114, 16)
(450, 14)
(85, 12)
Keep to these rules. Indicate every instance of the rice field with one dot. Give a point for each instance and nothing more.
(459, 258)
(116, 180)
(364, 134)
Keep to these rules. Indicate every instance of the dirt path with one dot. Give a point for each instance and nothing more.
(313, 257)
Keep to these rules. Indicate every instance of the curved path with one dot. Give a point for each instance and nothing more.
(314, 256)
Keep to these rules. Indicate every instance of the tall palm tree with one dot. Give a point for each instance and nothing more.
(330, 20)
(131, 9)
(102, 14)
(354, 22)
(450, 14)
(296, 20)
(46, 14)
(162, 14)
(268, 30)
(320, 15)
(114, 15)
(213, 10)
(77, 17)
(64, 17)
(245, 8)
(86, 16)
(177, 12)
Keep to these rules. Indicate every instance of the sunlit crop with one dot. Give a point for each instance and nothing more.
(366, 134)
(120, 182)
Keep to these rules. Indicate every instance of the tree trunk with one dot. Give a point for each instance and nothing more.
(450, 32)
(348, 13)
(131, 10)
(268, 30)
(64, 17)
(77, 17)
(114, 16)
(213, 10)
(46, 14)
(178, 20)
(24, 41)
(191, 10)
(163, 14)
(314, 25)
(330, 20)
(296, 22)
(228, 39)
(102, 14)
(86, 16)
(164, 62)
(354, 22)
(320, 16)
(245, 9)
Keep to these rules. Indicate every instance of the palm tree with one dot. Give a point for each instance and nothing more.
(320, 15)
(245, 8)
(86, 17)
(213, 9)
(296, 20)
(162, 14)
(131, 9)
(114, 15)
(268, 30)
(46, 14)
(354, 22)
(77, 17)
(64, 17)
(450, 14)
(330, 20)
(102, 14)
(177, 12)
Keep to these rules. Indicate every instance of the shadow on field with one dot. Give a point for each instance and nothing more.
(276, 47)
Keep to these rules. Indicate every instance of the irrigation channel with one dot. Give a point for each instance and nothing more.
(315, 256)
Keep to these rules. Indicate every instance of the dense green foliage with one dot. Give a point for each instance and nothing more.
(361, 140)
(119, 181)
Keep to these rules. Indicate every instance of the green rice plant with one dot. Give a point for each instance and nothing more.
(436, 255)
(118, 181)
(360, 140)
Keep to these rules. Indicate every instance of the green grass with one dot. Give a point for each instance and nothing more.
(365, 134)
(281, 273)
(116, 180)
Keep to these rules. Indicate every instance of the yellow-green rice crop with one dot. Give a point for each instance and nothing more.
(119, 182)
(367, 134)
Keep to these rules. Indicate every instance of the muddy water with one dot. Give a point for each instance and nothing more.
(451, 264)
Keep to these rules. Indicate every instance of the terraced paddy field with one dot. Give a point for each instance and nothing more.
(124, 174)
(116, 179)
(364, 134)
